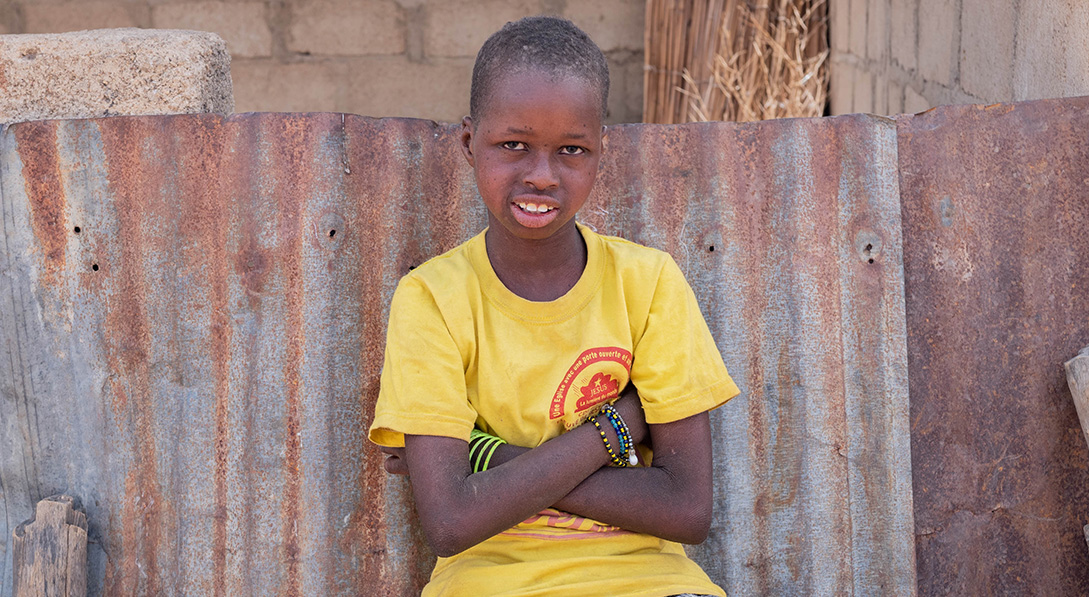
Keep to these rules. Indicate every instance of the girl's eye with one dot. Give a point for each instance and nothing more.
(514, 145)
(571, 150)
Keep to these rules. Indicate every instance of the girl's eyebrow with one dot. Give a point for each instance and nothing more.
(517, 131)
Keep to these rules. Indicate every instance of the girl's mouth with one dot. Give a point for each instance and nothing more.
(533, 215)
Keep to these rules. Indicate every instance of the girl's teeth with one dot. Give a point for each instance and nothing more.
(534, 208)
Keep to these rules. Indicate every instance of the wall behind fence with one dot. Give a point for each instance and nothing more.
(374, 57)
(193, 322)
(892, 56)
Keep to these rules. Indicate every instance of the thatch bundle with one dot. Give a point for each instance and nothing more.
(735, 60)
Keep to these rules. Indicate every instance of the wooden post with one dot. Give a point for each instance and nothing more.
(1077, 377)
(49, 554)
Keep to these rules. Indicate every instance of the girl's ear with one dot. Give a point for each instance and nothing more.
(604, 138)
(467, 140)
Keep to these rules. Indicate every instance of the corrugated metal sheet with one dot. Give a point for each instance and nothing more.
(996, 227)
(193, 312)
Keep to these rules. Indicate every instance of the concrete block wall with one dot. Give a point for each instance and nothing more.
(370, 57)
(894, 56)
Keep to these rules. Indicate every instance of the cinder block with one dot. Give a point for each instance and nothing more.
(458, 27)
(632, 92)
(877, 29)
(113, 72)
(390, 86)
(914, 102)
(937, 51)
(269, 86)
(612, 24)
(79, 16)
(839, 17)
(895, 98)
(986, 49)
(244, 24)
(841, 89)
(1077, 53)
(345, 28)
(857, 27)
(863, 92)
(625, 90)
(880, 95)
(1040, 64)
(902, 15)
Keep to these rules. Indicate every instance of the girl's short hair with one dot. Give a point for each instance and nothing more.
(550, 44)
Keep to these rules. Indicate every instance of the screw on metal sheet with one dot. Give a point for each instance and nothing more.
(94, 267)
(869, 245)
(76, 230)
(946, 211)
(711, 248)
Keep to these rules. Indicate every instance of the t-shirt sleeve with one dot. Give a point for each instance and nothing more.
(676, 365)
(422, 388)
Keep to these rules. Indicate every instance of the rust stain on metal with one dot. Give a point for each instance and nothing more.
(293, 160)
(128, 346)
(202, 238)
(41, 173)
(996, 242)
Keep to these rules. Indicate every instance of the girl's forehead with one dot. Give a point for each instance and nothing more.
(537, 91)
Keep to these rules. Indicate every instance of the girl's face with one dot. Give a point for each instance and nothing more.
(535, 150)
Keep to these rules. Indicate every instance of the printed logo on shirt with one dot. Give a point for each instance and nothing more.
(551, 524)
(596, 376)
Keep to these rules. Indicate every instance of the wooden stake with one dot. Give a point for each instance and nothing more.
(49, 552)
(1077, 377)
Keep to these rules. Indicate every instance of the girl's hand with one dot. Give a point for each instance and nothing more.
(395, 460)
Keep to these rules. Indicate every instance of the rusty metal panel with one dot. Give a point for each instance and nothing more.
(198, 361)
(996, 245)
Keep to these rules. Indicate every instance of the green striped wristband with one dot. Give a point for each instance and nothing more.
(481, 448)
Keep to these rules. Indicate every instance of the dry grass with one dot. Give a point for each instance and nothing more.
(734, 60)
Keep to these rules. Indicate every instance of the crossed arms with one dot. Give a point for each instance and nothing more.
(672, 499)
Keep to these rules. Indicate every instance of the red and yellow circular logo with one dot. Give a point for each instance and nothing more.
(596, 376)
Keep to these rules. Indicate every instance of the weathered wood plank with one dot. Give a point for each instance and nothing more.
(1077, 377)
(50, 550)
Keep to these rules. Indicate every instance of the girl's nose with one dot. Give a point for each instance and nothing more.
(541, 173)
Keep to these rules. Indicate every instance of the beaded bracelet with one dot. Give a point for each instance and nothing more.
(608, 448)
(481, 448)
(627, 446)
(627, 455)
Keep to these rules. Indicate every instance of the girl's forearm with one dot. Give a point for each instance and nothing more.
(648, 500)
(458, 510)
(671, 500)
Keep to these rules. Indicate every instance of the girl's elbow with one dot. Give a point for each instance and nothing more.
(444, 540)
(696, 524)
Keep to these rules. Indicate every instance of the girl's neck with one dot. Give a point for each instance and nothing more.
(537, 270)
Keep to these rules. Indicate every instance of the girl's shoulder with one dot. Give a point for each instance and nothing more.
(446, 268)
(631, 261)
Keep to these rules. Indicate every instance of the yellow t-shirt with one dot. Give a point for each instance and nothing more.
(464, 351)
